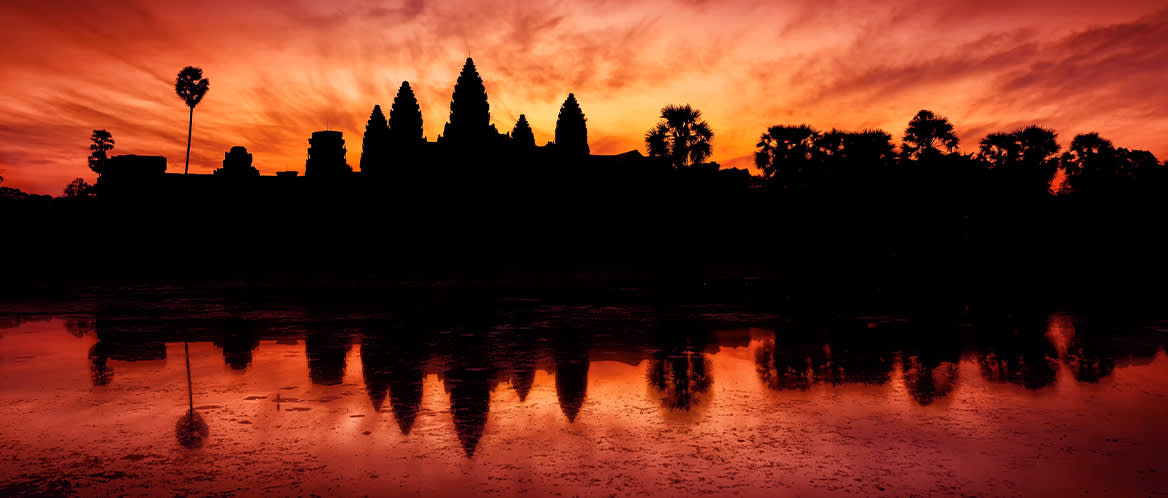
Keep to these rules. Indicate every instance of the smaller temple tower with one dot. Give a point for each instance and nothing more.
(237, 164)
(326, 155)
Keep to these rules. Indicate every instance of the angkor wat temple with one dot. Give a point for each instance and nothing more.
(395, 148)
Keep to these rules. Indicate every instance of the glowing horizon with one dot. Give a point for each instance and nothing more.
(280, 70)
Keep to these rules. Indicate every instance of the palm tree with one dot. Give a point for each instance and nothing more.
(1038, 146)
(681, 135)
(999, 149)
(872, 147)
(926, 134)
(786, 151)
(1135, 162)
(1090, 154)
(191, 86)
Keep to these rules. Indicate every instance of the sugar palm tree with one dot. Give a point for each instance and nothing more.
(1037, 145)
(999, 149)
(1091, 155)
(191, 86)
(926, 134)
(786, 151)
(681, 135)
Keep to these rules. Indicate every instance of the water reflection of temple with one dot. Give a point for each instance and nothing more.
(468, 381)
(327, 350)
(571, 353)
(122, 340)
(473, 353)
(392, 364)
(237, 341)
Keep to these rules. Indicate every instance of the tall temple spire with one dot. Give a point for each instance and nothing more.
(470, 114)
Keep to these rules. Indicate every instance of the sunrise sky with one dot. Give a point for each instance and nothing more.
(281, 69)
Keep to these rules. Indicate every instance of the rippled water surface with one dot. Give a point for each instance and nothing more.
(582, 400)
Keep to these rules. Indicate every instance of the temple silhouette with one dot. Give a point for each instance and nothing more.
(391, 148)
(830, 209)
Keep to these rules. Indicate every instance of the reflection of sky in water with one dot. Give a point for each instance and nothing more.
(1049, 405)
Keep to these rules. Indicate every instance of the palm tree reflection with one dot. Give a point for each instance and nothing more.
(928, 378)
(190, 430)
(806, 351)
(679, 370)
(1016, 349)
(1091, 352)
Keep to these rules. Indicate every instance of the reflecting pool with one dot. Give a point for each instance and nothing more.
(531, 398)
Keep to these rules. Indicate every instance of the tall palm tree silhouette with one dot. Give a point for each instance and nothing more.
(926, 134)
(191, 86)
(681, 135)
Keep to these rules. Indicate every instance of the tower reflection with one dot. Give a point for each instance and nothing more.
(238, 339)
(326, 350)
(571, 355)
(468, 382)
(122, 340)
(392, 360)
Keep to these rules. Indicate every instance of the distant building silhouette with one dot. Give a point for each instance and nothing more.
(326, 155)
(237, 164)
(130, 165)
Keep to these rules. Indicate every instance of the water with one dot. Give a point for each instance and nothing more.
(530, 398)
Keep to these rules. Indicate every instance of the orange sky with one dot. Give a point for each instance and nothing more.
(281, 69)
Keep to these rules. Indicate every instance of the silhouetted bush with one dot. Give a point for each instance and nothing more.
(78, 189)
